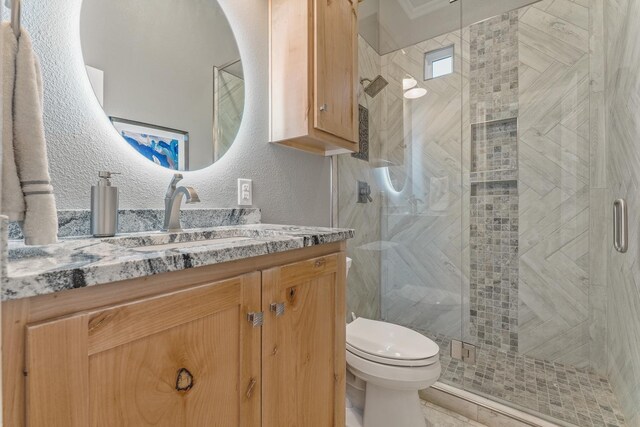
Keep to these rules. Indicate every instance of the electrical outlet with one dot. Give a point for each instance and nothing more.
(245, 192)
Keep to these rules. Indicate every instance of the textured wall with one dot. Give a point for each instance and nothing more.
(623, 135)
(289, 186)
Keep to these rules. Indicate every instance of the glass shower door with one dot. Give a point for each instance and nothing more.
(534, 76)
(408, 264)
(422, 269)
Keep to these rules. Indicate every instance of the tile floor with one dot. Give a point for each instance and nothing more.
(572, 395)
(440, 417)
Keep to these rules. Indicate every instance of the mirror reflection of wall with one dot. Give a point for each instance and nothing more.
(168, 74)
(228, 106)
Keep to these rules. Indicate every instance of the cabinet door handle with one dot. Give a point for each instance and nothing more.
(620, 225)
(324, 108)
(256, 318)
(277, 308)
(320, 262)
(252, 384)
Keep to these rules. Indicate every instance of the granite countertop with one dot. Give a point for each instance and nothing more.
(81, 262)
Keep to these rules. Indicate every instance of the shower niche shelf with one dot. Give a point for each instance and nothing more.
(494, 151)
(504, 175)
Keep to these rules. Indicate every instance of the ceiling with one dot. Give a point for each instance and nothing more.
(389, 25)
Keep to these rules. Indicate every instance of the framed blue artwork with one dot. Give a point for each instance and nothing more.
(164, 146)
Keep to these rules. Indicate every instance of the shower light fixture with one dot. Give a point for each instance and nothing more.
(408, 82)
(415, 93)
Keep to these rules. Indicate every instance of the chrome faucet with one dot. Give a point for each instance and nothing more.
(172, 202)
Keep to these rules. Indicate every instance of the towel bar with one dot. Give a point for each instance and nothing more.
(14, 5)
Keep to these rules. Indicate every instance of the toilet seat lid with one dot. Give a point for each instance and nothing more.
(389, 341)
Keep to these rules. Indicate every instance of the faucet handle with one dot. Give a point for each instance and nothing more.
(107, 174)
(177, 177)
(193, 195)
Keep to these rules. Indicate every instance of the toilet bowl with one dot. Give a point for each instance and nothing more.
(386, 366)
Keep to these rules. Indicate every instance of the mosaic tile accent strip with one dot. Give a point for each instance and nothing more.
(494, 93)
(494, 68)
(363, 140)
(494, 265)
(573, 395)
(494, 151)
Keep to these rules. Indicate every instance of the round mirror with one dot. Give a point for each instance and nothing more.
(168, 75)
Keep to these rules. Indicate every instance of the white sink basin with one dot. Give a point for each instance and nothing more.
(163, 241)
(194, 243)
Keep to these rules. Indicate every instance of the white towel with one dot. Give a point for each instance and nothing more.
(27, 194)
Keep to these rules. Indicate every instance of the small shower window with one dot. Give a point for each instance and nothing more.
(438, 63)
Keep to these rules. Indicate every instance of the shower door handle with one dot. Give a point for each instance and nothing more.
(620, 226)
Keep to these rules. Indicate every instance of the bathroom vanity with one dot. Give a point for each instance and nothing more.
(237, 324)
(225, 326)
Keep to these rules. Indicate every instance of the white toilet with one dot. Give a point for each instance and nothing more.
(386, 366)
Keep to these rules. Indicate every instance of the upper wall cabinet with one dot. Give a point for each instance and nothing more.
(314, 74)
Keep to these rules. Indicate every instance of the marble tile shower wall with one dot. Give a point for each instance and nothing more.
(494, 265)
(494, 193)
(363, 292)
(422, 266)
(554, 134)
(494, 69)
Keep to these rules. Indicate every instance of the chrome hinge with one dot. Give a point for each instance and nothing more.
(277, 308)
(256, 318)
(463, 351)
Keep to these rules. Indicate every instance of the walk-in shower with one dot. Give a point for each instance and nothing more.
(491, 215)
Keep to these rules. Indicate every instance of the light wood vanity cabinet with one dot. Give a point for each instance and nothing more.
(189, 355)
(303, 344)
(314, 74)
(180, 359)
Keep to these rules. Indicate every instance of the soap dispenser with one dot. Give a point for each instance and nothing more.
(104, 206)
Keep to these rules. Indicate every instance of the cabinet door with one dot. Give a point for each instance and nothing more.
(304, 346)
(189, 358)
(336, 67)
